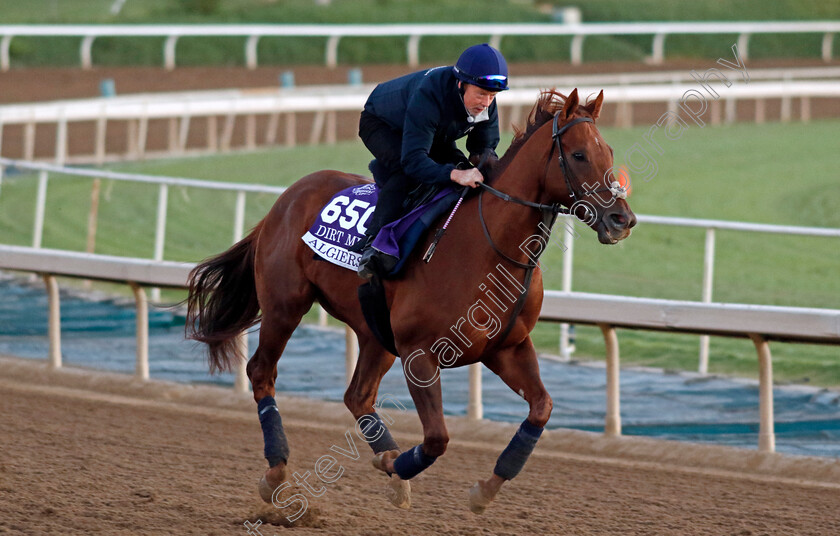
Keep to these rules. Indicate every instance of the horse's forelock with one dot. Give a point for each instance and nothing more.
(549, 103)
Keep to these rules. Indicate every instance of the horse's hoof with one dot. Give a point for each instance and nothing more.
(380, 461)
(399, 492)
(276, 476)
(479, 499)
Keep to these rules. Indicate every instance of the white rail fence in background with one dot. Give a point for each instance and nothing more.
(784, 74)
(163, 184)
(709, 252)
(182, 110)
(414, 33)
(759, 323)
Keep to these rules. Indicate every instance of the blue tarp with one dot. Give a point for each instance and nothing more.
(688, 407)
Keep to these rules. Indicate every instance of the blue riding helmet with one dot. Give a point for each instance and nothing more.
(483, 66)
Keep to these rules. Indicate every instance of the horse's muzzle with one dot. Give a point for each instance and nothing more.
(615, 225)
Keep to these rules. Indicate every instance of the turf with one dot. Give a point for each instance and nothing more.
(713, 172)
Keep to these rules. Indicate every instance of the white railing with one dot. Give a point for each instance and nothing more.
(709, 252)
(414, 33)
(185, 109)
(163, 184)
(759, 323)
(660, 77)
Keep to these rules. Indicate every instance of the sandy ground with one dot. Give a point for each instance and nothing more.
(85, 452)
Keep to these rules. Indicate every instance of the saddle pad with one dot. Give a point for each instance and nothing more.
(341, 223)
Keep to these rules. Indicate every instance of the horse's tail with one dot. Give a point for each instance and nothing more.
(222, 301)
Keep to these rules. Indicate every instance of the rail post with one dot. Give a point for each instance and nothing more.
(743, 45)
(5, 43)
(240, 382)
(612, 424)
(658, 53)
(142, 363)
(54, 316)
(475, 406)
(708, 281)
(413, 50)
(160, 230)
(577, 49)
(61, 140)
(827, 43)
(566, 349)
(169, 52)
(766, 432)
(332, 51)
(251, 51)
(40, 210)
(85, 52)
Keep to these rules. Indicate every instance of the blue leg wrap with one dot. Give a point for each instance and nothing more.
(412, 462)
(513, 458)
(276, 446)
(376, 434)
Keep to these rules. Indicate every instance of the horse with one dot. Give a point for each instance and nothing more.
(476, 301)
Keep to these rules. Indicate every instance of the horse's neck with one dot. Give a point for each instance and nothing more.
(523, 176)
(510, 224)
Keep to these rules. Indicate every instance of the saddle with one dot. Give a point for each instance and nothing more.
(372, 294)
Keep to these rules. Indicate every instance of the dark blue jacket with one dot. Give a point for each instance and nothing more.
(427, 108)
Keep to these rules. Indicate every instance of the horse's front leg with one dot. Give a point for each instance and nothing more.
(519, 369)
(423, 377)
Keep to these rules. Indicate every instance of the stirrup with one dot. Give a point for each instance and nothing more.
(375, 262)
(360, 246)
(369, 264)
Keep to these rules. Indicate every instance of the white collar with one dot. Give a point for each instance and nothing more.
(483, 116)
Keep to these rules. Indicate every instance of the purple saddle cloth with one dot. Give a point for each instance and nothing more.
(343, 221)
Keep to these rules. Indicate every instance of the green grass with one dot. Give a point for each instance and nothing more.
(772, 173)
(280, 51)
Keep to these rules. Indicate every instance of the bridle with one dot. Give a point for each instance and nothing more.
(549, 211)
(568, 173)
(615, 189)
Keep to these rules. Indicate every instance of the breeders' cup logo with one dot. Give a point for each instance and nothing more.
(367, 189)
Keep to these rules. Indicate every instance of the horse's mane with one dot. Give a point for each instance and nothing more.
(548, 104)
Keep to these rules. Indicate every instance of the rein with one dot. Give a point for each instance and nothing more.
(549, 212)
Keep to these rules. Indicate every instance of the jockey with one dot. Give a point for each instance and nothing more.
(410, 124)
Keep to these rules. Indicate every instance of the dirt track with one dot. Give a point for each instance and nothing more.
(86, 453)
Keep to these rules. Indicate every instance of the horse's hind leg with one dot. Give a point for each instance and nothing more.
(360, 399)
(278, 324)
(519, 369)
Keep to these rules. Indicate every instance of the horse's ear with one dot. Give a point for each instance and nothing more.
(594, 107)
(570, 106)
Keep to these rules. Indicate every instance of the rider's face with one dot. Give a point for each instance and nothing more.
(477, 99)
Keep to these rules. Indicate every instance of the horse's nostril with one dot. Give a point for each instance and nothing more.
(618, 220)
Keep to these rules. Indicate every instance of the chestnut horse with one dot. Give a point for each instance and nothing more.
(477, 300)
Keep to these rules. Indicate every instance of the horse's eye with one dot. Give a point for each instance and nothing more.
(579, 157)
